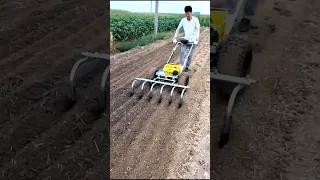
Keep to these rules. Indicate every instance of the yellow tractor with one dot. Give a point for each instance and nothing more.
(230, 55)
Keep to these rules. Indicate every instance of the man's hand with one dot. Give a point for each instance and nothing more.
(174, 40)
(196, 41)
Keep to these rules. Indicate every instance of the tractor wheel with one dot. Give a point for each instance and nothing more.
(234, 58)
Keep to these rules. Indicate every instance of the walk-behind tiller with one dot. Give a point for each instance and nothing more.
(230, 54)
(172, 75)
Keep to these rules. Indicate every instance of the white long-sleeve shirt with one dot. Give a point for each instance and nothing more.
(191, 28)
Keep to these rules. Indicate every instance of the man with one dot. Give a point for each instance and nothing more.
(191, 27)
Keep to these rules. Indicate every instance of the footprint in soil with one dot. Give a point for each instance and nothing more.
(316, 39)
(191, 152)
(272, 28)
(257, 47)
(308, 23)
(281, 10)
(254, 27)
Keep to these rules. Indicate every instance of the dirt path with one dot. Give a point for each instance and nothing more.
(40, 41)
(146, 137)
(276, 126)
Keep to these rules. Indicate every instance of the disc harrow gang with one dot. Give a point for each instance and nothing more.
(104, 90)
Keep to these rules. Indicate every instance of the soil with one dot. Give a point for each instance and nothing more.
(276, 125)
(40, 136)
(152, 140)
(276, 122)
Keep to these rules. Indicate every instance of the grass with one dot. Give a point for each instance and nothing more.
(145, 40)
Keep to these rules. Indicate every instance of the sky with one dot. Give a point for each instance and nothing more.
(164, 6)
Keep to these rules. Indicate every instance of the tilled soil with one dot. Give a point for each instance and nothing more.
(151, 140)
(276, 122)
(40, 136)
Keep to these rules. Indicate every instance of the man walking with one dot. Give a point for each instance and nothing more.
(191, 27)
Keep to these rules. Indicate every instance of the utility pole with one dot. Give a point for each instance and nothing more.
(156, 18)
(151, 7)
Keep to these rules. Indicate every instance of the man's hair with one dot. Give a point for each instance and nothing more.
(188, 9)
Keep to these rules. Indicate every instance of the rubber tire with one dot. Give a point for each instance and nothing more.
(234, 58)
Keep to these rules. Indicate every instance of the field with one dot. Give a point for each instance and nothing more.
(40, 138)
(276, 122)
(151, 140)
(143, 139)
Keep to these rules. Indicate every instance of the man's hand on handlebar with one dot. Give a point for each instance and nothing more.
(174, 40)
(196, 41)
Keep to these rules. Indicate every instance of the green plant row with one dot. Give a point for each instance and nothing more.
(128, 26)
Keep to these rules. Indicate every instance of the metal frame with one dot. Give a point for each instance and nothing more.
(232, 23)
(163, 79)
(175, 48)
(236, 17)
(102, 100)
(88, 57)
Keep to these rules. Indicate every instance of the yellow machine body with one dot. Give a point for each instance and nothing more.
(219, 21)
(169, 69)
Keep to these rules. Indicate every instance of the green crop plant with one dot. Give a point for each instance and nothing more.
(127, 26)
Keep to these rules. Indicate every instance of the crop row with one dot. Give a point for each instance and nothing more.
(127, 26)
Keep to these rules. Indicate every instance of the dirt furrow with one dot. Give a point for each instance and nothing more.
(37, 64)
(23, 9)
(75, 162)
(41, 41)
(154, 59)
(136, 61)
(32, 124)
(138, 132)
(16, 102)
(99, 170)
(34, 29)
(272, 136)
(42, 46)
(126, 57)
(155, 141)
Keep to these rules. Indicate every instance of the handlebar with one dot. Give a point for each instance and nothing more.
(181, 39)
